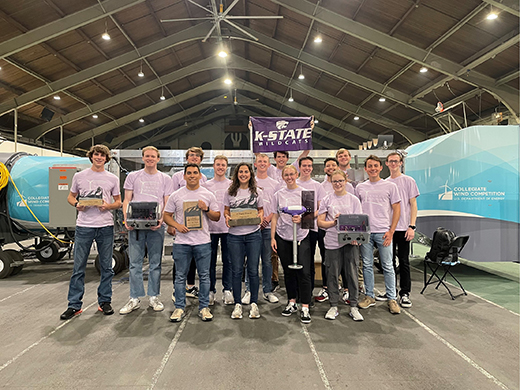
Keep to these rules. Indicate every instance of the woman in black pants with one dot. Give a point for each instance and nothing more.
(297, 282)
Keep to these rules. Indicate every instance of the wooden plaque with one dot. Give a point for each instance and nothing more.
(192, 215)
(243, 217)
(90, 202)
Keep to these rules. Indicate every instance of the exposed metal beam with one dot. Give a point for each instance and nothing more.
(189, 34)
(510, 6)
(64, 25)
(508, 95)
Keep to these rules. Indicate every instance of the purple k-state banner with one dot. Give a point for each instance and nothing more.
(276, 134)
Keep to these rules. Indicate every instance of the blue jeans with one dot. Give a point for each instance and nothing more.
(226, 262)
(138, 240)
(183, 254)
(267, 265)
(83, 239)
(385, 257)
(240, 247)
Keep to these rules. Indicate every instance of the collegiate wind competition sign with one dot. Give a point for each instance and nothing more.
(271, 134)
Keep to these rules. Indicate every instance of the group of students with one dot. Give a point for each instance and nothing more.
(390, 204)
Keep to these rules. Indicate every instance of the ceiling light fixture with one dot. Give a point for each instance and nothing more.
(95, 116)
(492, 15)
(222, 54)
(228, 81)
(141, 73)
(316, 121)
(57, 97)
(382, 99)
(162, 94)
(105, 35)
(356, 118)
(290, 97)
(318, 39)
(301, 76)
(141, 120)
(424, 69)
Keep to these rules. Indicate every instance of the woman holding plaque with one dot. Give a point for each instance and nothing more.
(288, 203)
(243, 210)
(338, 254)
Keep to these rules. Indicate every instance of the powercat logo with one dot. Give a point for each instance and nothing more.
(281, 125)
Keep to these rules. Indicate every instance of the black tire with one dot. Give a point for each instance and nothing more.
(118, 262)
(47, 253)
(15, 256)
(5, 265)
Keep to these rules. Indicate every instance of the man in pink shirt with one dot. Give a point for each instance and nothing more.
(94, 223)
(146, 185)
(405, 230)
(380, 200)
(191, 243)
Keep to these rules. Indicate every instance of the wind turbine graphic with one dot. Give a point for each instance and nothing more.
(446, 195)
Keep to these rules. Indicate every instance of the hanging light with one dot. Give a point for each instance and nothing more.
(356, 118)
(222, 54)
(106, 35)
(382, 99)
(301, 76)
(95, 116)
(290, 97)
(162, 94)
(424, 69)
(57, 97)
(492, 15)
(141, 120)
(228, 81)
(141, 73)
(316, 121)
(318, 39)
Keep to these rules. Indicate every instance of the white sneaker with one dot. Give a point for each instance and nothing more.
(332, 313)
(133, 304)
(211, 298)
(156, 304)
(237, 312)
(355, 314)
(254, 312)
(246, 299)
(228, 297)
(271, 298)
(345, 297)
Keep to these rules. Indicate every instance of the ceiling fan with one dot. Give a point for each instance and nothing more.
(218, 15)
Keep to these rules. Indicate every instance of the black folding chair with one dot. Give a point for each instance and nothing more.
(444, 265)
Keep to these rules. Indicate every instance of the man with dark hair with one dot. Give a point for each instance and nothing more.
(281, 157)
(380, 201)
(405, 229)
(94, 223)
(191, 243)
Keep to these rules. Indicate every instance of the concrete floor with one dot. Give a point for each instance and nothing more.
(468, 343)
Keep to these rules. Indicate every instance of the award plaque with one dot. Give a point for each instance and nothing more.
(192, 215)
(92, 198)
(244, 216)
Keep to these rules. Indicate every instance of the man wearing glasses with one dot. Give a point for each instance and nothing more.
(405, 229)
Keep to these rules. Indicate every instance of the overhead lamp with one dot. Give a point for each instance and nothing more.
(57, 97)
(424, 69)
(228, 81)
(222, 54)
(95, 116)
(141, 120)
(492, 15)
(290, 97)
(301, 76)
(141, 73)
(162, 94)
(382, 99)
(316, 121)
(356, 118)
(318, 39)
(106, 35)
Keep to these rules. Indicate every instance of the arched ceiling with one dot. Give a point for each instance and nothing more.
(370, 49)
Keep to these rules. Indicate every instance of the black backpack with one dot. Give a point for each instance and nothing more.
(440, 250)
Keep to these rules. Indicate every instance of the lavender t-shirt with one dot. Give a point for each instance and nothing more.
(89, 181)
(275, 173)
(175, 205)
(219, 189)
(319, 194)
(284, 227)
(179, 182)
(407, 190)
(377, 199)
(327, 187)
(333, 205)
(243, 199)
(149, 188)
(269, 186)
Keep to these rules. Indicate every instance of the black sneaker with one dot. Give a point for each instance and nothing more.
(381, 297)
(275, 284)
(69, 313)
(305, 316)
(106, 308)
(192, 292)
(289, 309)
